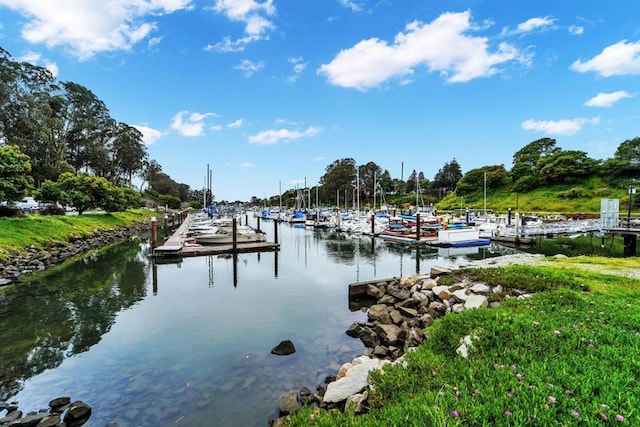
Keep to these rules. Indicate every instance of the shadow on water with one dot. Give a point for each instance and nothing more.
(65, 311)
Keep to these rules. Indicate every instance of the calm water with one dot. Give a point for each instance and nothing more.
(189, 343)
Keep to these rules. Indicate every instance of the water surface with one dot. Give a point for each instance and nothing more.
(188, 343)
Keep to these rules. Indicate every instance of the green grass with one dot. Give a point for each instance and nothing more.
(40, 231)
(562, 357)
(541, 201)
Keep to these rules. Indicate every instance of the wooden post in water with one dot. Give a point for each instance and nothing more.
(509, 216)
(258, 224)
(417, 226)
(154, 232)
(234, 231)
(373, 224)
(275, 231)
(246, 219)
(166, 230)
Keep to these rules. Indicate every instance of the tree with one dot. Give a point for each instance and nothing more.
(624, 165)
(128, 153)
(15, 169)
(447, 177)
(29, 115)
(526, 159)
(339, 177)
(87, 128)
(368, 173)
(410, 186)
(565, 166)
(473, 181)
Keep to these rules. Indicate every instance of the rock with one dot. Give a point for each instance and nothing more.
(357, 403)
(481, 288)
(355, 329)
(374, 291)
(476, 301)
(11, 416)
(355, 381)
(439, 271)
(379, 313)
(285, 347)
(442, 292)
(389, 334)
(408, 281)
(408, 312)
(429, 283)
(50, 421)
(289, 403)
(59, 403)
(77, 414)
(30, 420)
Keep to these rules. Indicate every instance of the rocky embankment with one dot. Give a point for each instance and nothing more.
(33, 259)
(399, 311)
(61, 413)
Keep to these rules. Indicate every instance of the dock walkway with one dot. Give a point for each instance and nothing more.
(176, 246)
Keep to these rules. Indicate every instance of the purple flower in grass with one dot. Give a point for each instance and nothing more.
(619, 418)
(551, 399)
(576, 414)
(508, 413)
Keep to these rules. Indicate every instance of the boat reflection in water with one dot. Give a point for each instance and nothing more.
(188, 342)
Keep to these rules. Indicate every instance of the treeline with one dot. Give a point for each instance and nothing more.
(541, 163)
(64, 128)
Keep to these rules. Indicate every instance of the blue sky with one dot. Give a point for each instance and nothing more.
(271, 92)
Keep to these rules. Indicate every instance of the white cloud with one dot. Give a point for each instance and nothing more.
(34, 58)
(272, 136)
(194, 124)
(236, 124)
(216, 128)
(619, 59)
(249, 67)
(246, 165)
(252, 14)
(576, 30)
(565, 127)
(318, 159)
(534, 24)
(154, 41)
(353, 5)
(607, 99)
(442, 46)
(149, 135)
(298, 67)
(87, 27)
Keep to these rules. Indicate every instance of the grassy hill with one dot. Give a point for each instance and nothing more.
(559, 199)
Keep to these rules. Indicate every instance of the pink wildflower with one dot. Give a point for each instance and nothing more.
(513, 367)
(457, 394)
(551, 399)
(619, 418)
(603, 416)
(311, 416)
(455, 414)
(519, 376)
(475, 393)
(567, 392)
(508, 413)
(576, 414)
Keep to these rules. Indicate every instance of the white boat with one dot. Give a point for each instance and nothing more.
(224, 235)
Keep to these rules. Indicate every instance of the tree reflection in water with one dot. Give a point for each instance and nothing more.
(64, 311)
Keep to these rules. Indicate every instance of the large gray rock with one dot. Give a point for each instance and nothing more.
(355, 381)
(284, 348)
(379, 313)
(289, 403)
(476, 301)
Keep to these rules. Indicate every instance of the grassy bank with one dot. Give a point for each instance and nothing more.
(38, 231)
(566, 356)
(558, 199)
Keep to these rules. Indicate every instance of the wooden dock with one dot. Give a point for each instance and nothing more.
(175, 246)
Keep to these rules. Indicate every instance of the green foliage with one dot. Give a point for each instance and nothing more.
(572, 193)
(339, 177)
(525, 184)
(15, 167)
(474, 180)
(561, 357)
(38, 231)
(565, 166)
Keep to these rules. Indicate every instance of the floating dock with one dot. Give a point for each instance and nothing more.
(176, 246)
